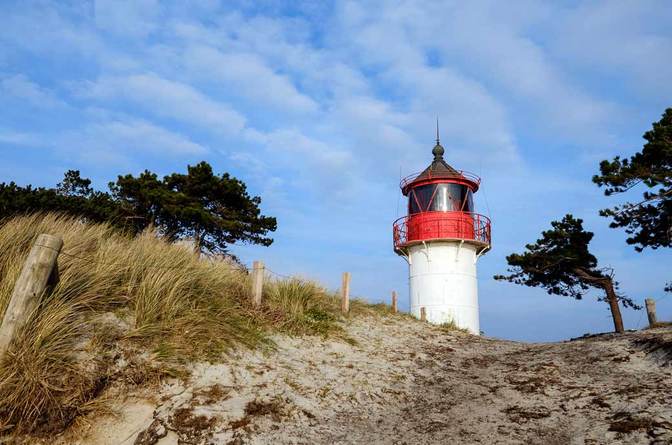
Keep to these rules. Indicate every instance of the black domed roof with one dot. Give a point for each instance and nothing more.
(440, 169)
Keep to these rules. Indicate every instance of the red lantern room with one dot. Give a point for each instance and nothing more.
(441, 207)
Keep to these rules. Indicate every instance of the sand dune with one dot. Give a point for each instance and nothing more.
(400, 381)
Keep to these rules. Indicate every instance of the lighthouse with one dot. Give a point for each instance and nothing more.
(441, 239)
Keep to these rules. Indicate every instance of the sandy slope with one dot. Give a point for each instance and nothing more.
(407, 382)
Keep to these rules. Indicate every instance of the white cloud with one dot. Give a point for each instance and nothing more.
(128, 18)
(284, 46)
(118, 140)
(135, 134)
(507, 58)
(167, 98)
(288, 143)
(620, 38)
(480, 45)
(47, 30)
(110, 136)
(248, 75)
(23, 88)
(465, 107)
(12, 137)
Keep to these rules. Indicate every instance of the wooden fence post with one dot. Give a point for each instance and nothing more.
(394, 302)
(423, 314)
(651, 311)
(345, 293)
(30, 287)
(257, 281)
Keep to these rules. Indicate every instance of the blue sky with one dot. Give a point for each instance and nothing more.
(318, 106)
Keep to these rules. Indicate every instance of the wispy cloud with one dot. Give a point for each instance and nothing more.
(621, 38)
(136, 135)
(114, 141)
(19, 86)
(248, 75)
(166, 98)
(15, 138)
(127, 18)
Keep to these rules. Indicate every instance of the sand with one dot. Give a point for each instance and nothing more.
(406, 382)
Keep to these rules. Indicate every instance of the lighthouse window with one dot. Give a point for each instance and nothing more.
(441, 198)
(451, 197)
(420, 198)
(469, 203)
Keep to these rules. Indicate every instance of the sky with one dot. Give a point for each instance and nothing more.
(320, 107)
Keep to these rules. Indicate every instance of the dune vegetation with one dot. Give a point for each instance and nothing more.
(133, 310)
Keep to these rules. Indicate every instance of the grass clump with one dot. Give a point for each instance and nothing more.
(451, 326)
(163, 296)
(305, 307)
(132, 309)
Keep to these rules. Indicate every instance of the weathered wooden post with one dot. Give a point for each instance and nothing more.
(423, 314)
(345, 293)
(651, 311)
(257, 281)
(394, 302)
(30, 287)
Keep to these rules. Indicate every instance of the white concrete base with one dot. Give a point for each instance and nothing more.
(443, 281)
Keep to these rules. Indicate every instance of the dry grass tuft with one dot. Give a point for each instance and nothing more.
(176, 305)
(303, 307)
(132, 310)
(450, 326)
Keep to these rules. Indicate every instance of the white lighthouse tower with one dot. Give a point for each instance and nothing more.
(442, 238)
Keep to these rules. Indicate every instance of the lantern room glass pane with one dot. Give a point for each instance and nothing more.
(443, 200)
(447, 197)
(413, 205)
(420, 198)
(469, 204)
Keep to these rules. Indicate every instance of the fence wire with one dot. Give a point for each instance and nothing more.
(272, 272)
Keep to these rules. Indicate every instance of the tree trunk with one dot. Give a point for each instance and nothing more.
(613, 305)
(198, 241)
(607, 284)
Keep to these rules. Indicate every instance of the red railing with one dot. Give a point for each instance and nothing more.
(440, 226)
(410, 178)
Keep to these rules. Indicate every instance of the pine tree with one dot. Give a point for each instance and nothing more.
(648, 221)
(561, 262)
